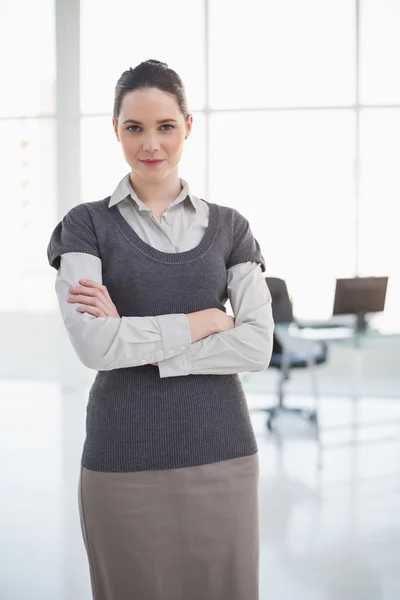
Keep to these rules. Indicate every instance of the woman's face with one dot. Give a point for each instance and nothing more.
(152, 130)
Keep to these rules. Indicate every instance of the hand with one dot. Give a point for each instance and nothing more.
(222, 321)
(95, 297)
(208, 321)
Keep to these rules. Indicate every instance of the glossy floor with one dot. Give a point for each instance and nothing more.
(328, 534)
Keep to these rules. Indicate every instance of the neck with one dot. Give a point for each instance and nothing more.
(157, 195)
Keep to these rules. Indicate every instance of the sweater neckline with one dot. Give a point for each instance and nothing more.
(170, 257)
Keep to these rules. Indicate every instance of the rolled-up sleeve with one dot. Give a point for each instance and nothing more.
(248, 346)
(106, 343)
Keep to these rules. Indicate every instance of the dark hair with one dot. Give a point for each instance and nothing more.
(150, 74)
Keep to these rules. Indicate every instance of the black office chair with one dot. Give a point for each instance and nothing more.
(290, 353)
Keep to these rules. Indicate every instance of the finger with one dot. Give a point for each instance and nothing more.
(91, 310)
(87, 291)
(89, 282)
(92, 293)
(94, 284)
(107, 295)
(89, 301)
(98, 290)
(92, 300)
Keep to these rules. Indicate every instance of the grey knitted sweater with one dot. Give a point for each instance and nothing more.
(137, 421)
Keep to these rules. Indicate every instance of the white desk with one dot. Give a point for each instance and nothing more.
(379, 331)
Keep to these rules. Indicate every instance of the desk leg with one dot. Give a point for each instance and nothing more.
(357, 380)
(283, 376)
(314, 386)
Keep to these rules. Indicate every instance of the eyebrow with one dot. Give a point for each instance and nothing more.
(158, 122)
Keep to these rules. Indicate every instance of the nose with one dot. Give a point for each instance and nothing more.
(150, 142)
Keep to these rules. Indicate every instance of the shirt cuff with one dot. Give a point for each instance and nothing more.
(177, 366)
(175, 334)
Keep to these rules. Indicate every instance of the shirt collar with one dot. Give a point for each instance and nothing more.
(124, 190)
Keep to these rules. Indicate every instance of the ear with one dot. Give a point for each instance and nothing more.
(189, 125)
(115, 126)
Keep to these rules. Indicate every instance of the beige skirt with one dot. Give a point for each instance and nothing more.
(179, 534)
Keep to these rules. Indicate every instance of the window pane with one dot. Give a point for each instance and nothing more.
(102, 161)
(192, 167)
(125, 33)
(380, 160)
(293, 179)
(103, 164)
(282, 53)
(379, 255)
(380, 51)
(27, 151)
(27, 48)
(380, 199)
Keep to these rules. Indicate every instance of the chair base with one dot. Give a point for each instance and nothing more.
(297, 420)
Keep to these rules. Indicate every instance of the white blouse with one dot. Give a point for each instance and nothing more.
(131, 340)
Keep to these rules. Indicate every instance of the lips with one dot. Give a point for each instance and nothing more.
(152, 162)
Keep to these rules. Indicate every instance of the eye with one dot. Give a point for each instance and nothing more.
(169, 127)
(133, 128)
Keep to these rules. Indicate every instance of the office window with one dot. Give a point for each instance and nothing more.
(120, 34)
(380, 51)
(380, 198)
(291, 174)
(291, 171)
(27, 150)
(193, 164)
(27, 45)
(285, 53)
(103, 164)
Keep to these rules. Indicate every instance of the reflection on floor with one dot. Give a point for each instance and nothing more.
(332, 534)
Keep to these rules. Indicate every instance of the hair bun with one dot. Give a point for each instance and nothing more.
(149, 74)
(153, 61)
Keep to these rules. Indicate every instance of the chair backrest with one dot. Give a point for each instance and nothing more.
(282, 309)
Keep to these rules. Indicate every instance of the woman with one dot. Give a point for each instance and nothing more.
(169, 477)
